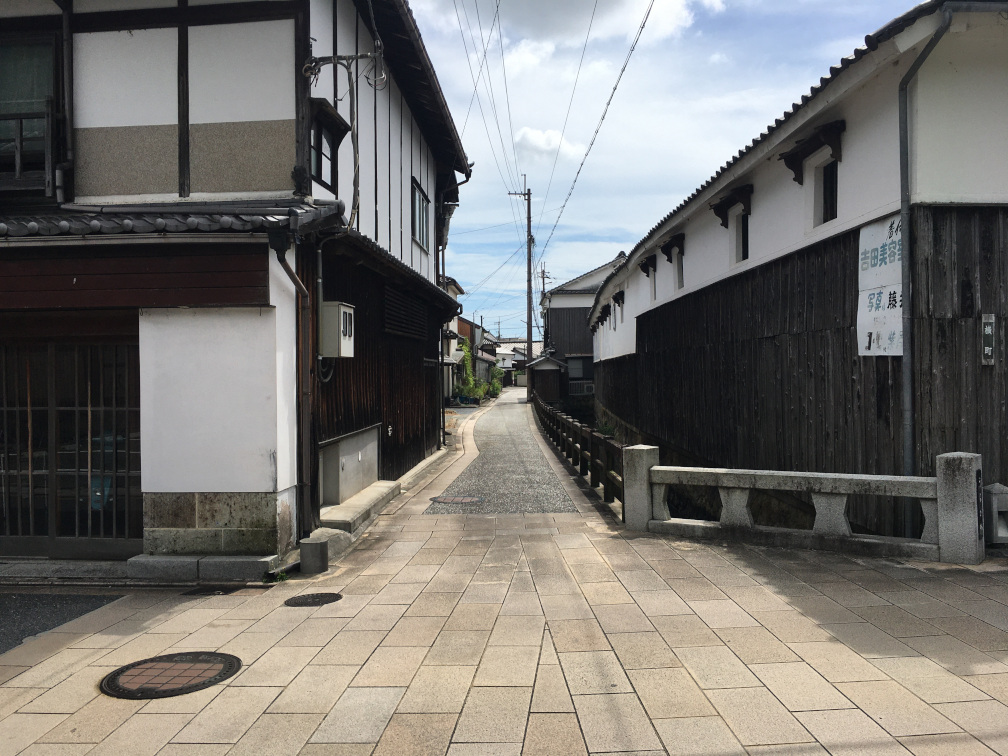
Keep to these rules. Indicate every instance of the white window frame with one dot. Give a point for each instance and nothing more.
(420, 216)
(737, 245)
(814, 189)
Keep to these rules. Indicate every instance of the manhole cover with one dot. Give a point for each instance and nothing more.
(170, 675)
(457, 499)
(313, 599)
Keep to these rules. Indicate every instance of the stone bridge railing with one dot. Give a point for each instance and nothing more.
(952, 503)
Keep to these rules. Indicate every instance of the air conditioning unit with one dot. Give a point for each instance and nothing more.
(336, 331)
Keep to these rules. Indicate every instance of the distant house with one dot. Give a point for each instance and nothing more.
(219, 249)
(449, 340)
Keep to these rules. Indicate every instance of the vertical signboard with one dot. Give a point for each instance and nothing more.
(880, 289)
(987, 340)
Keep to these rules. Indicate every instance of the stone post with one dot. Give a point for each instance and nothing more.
(637, 463)
(960, 508)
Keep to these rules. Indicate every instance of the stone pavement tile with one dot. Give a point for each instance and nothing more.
(957, 657)
(521, 582)
(70, 695)
(376, 617)
(414, 631)
(315, 690)
(674, 569)
(896, 621)
(473, 617)
(668, 693)
(437, 690)
(449, 582)
(454, 647)
(469, 546)
(485, 593)
(849, 732)
(756, 717)
(12, 699)
(626, 562)
(557, 585)
(508, 666)
(573, 541)
(347, 607)
(642, 580)
(360, 716)
(521, 603)
(390, 666)
(995, 686)
(430, 556)
(215, 634)
(494, 715)
(792, 749)
(71, 749)
(850, 595)
(958, 743)
(518, 630)
(188, 621)
(419, 734)
(660, 603)
(493, 574)
(276, 733)
(350, 647)
(142, 735)
(755, 645)
(64, 663)
(418, 573)
(190, 703)
(756, 599)
(716, 667)
(868, 640)
(791, 627)
(433, 604)
(464, 564)
(117, 634)
(397, 593)
(647, 650)
(549, 654)
(895, 708)
(278, 666)
(584, 557)
(549, 734)
(683, 630)
(920, 604)
(611, 592)
(94, 722)
(281, 620)
(18, 731)
(928, 681)
(314, 632)
(722, 613)
(550, 693)
(979, 634)
(485, 749)
(9, 671)
(837, 663)
(247, 646)
(615, 722)
(695, 589)
(799, 687)
(622, 618)
(698, 736)
(985, 720)
(593, 672)
(226, 718)
(566, 607)
(578, 635)
(823, 610)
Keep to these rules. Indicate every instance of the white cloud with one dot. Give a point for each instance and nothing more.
(718, 58)
(539, 145)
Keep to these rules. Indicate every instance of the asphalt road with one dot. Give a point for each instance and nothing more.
(25, 614)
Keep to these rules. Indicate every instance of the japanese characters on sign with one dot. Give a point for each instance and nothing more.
(880, 289)
(987, 340)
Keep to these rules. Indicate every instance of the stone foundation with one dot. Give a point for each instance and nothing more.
(219, 523)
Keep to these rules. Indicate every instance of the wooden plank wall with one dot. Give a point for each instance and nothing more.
(142, 275)
(386, 382)
(568, 330)
(763, 371)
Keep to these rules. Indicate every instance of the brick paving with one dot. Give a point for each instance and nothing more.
(542, 633)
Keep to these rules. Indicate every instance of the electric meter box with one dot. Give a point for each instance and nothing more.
(336, 335)
(996, 513)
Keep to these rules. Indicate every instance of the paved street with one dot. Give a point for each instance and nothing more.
(541, 633)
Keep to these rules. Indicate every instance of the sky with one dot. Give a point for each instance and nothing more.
(705, 79)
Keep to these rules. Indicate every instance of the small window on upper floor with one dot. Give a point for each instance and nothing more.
(27, 113)
(827, 185)
(421, 216)
(328, 130)
(739, 236)
(680, 275)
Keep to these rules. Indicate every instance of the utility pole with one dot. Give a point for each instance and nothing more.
(528, 243)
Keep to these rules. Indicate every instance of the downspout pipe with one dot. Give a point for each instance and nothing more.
(65, 167)
(906, 238)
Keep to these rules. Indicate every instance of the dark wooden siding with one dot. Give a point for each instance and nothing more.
(568, 330)
(177, 275)
(763, 370)
(546, 383)
(392, 379)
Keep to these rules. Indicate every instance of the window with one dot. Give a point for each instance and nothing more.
(740, 236)
(575, 368)
(328, 130)
(827, 184)
(680, 279)
(27, 89)
(421, 216)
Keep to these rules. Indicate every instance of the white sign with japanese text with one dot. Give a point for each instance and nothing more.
(880, 289)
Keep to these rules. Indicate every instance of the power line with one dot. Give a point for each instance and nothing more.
(472, 290)
(563, 131)
(499, 225)
(479, 73)
(612, 94)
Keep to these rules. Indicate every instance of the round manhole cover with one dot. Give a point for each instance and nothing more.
(313, 599)
(170, 675)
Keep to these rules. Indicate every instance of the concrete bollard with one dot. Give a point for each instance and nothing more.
(960, 508)
(314, 555)
(637, 463)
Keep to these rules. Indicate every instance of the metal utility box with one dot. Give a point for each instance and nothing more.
(995, 513)
(336, 334)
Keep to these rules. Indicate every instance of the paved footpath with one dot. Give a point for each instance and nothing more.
(542, 633)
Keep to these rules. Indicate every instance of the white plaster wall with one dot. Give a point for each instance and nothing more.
(385, 177)
(208, 399)
(283, 297)
(959, 115)
(107, 67)
(366, 137)
(241, 72)
(398, 212)
(564, 301)
(321, 21)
